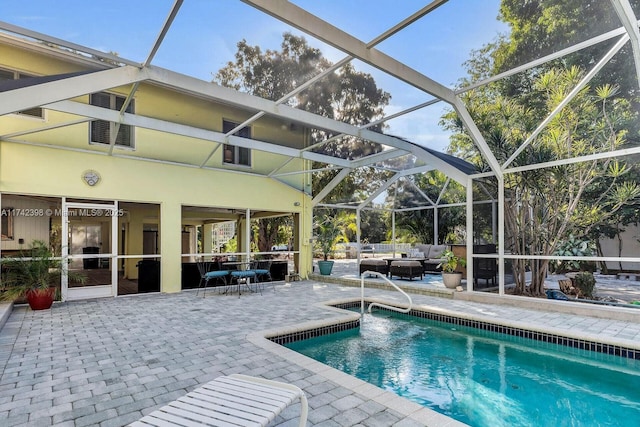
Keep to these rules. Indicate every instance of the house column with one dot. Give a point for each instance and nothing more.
(501, 227)
(303, 233)
(359, 254)
(469, 234)
(207, 238)
(247, 231)
(239, 234)
(393, 231)
(170, 246)
(436, 229)
(297, 244)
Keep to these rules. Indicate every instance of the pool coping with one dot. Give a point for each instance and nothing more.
(403, 406)
(409, 409)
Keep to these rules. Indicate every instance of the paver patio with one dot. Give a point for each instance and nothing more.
(108, 362)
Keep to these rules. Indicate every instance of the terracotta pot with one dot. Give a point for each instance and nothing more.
(40, 299)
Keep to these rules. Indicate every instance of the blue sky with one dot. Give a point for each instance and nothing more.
(204, 36)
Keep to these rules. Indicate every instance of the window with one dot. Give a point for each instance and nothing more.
(233, 154)
(101, 130)
(14, 75)
(7, 223)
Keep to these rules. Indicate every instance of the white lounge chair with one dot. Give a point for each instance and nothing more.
(234, 400)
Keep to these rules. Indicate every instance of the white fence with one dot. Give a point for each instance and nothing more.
(350, 250)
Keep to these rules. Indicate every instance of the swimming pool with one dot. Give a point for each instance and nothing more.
(484, 378)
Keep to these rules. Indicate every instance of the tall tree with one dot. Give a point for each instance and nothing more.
(541, 27)
(566, 196)
(346, 95)
(547, 205)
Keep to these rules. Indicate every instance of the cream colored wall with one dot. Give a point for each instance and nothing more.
(630, 248)
(32, 62)
(35, 170)
(28, 223)
(45, 171)
(156, 102)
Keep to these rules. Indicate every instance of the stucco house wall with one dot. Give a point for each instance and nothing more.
(162, 168)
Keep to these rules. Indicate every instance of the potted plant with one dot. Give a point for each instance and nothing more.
(33, 275)
(450, 276)
(330, 229)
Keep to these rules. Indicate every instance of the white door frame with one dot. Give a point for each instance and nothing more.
(85, 292)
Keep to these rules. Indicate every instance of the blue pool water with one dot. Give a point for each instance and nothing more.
(483, 378)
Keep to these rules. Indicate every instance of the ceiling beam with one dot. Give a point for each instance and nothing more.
(378, 157)
(44, 128)
(473, 130)
(420, 192)
(37, 95)
(52, 93)
(540, 61)
(630, 23)
(330, 186)
(246, 101)
(301, 19)
(80, 109)
(572, 94)
(163, 31)
(380, 190)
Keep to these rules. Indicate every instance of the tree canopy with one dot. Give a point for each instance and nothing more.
(345, 94)
(545, 206)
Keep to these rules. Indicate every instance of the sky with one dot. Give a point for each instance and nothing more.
(204, 35)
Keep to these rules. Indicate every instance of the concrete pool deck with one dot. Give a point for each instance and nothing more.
(108, 362)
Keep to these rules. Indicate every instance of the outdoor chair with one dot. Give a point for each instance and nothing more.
(235, 400)
(207, 272)
(262, 269)
(485, 268)
(244, 277)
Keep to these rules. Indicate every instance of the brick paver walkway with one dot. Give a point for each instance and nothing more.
(108, 362)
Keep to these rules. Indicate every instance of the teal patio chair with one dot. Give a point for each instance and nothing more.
(208, 272)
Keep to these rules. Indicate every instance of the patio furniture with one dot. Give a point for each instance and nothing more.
(408, 269)
(431, 256)
(391, 260)
(234, 400)
(279, 269)
(262, 269)
(190, 275)
(243, 275)
(148, 275)
(485, 268)
(234, 265)
(373, 264)
(207, 272)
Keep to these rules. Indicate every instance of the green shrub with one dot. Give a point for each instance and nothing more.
(574, 246)
(586, 283)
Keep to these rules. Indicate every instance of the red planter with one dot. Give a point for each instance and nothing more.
(40, 299)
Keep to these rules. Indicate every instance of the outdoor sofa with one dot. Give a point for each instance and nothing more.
(432, 255)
